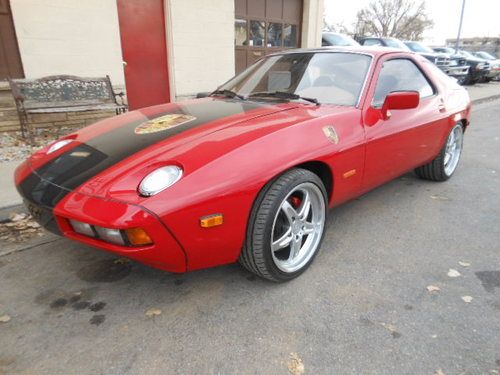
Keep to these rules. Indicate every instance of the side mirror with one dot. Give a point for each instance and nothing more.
(202, 95)
(399, 100)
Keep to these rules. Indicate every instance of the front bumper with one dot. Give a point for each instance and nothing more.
(457, 71)
(494, 73)
(52, 207)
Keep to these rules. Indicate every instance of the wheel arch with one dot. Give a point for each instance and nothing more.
(323, 171)
(465, 123)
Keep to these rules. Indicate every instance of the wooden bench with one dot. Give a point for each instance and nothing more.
(63, 93)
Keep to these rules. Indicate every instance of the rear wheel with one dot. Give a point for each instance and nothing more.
(445, 164)
(286, 226)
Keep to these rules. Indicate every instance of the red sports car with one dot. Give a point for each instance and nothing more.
(248, 173)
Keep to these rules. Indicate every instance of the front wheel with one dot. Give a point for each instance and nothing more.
(461, 80)
(443, 166)
(286, 226)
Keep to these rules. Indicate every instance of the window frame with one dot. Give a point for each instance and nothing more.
(431, 83)
(365, 87)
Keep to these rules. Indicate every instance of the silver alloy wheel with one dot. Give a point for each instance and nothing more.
(298, 227)
(453, 149)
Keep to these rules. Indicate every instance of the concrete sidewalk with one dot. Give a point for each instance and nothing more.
(481, 92)
(9, 197)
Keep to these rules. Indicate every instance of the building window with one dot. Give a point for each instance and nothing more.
(274, 34)
(263, 27)
(240, 32)
(290, 35)
(257, 33)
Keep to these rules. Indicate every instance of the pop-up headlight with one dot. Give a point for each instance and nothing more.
(159, 180)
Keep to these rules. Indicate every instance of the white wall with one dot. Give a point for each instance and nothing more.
(78, 37)
(201, 44)
(312, 23)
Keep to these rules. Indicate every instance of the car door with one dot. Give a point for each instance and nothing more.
(408, 138)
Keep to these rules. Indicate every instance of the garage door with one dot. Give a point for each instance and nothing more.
(265, 26)
(10, 60)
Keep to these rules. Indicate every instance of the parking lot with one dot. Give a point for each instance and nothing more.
(407, 282)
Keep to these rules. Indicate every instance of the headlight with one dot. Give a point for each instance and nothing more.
(480, 66)
(57, 145)
(159, 180)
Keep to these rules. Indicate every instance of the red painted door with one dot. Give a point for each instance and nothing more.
(144, 50)
(410, 137)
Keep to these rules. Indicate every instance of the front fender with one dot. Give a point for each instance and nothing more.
(229, 184)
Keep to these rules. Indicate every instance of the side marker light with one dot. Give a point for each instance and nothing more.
(212, 220)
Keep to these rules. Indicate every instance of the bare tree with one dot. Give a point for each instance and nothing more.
(338, 27)
(402, 19)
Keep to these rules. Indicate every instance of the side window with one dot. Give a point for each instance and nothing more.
(400, 75)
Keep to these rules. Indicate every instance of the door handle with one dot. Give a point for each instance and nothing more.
(441, 107)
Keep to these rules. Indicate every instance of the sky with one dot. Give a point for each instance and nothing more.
(481, 17)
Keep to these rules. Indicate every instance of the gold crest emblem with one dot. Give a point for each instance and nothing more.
(163, 123)
(331, 134)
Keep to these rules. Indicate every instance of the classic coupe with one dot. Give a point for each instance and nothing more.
(249, 172)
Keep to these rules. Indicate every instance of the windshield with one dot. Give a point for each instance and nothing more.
(485, 55)
(465, 54)
(331, 78)
(339, 40)
(450, 51)
(417, 47)
(394, 43)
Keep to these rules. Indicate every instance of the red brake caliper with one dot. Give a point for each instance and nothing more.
(296, 201)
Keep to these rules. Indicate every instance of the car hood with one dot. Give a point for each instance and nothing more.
(433, 54)
(145, 139)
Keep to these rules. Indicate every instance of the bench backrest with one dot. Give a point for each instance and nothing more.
(62, 91)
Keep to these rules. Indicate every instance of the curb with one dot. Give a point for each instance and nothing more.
(7, 210)
(486, 99)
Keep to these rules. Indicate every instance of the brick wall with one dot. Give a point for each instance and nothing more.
(201, 44)
(9, 120)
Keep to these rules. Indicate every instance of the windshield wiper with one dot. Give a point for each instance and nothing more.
(227, 94)
(284, 95)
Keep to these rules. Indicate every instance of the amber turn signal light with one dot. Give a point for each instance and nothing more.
(212, 220)
(138, 237)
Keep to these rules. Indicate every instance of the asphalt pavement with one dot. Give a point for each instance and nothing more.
(407, 282)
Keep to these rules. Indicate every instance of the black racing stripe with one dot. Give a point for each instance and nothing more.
(73, 168)
(40, 197)
(49, 184)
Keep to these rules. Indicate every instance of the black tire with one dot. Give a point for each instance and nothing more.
(256, 254)
(461, 80)
(435, 170)
(468, 80)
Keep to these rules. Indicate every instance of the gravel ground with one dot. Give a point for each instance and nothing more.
(13, 147)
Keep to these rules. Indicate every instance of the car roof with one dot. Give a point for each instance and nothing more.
(375, 51)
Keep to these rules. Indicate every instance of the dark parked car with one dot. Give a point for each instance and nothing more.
(384, 42)
(494, 62)
(479, 68)
(336, 39)
(453, 66)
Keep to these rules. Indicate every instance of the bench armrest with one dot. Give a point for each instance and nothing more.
(16, 93)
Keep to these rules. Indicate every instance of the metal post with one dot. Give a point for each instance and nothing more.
(460, 27)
